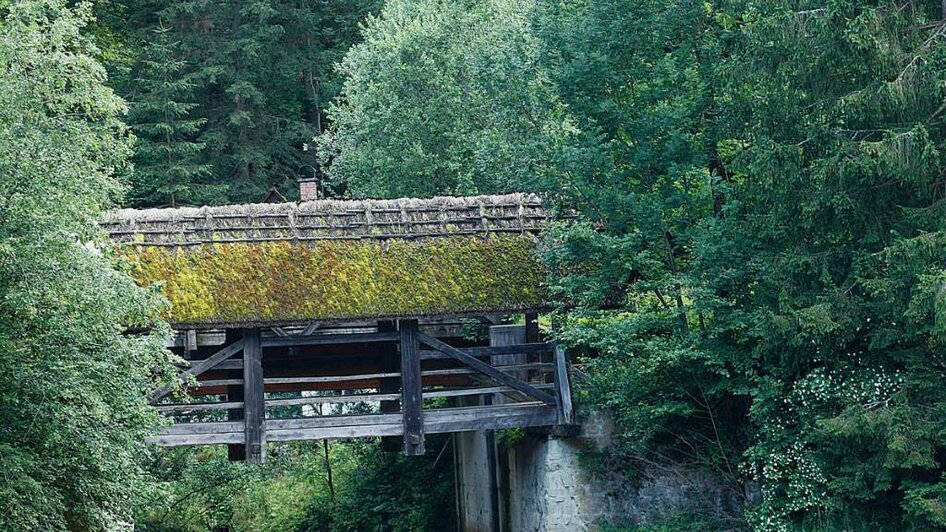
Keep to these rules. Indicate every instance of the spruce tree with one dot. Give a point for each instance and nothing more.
(168, 160)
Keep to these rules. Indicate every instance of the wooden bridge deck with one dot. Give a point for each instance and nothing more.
(391, 380)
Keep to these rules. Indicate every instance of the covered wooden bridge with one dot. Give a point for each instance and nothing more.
(340, 319)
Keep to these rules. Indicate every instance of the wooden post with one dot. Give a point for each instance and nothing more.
(235, 452)
(389, 364)
(532, 323)
(566, 414)
(411, 395)
(254, 407)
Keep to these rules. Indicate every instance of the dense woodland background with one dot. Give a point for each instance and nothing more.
(756, 277)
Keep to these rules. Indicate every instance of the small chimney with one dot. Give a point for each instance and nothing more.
(308, 189)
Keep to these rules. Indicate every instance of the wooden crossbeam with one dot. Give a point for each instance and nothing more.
(330, 339)
(193, 407)
(310, 328)
(494, 350)
(486, 369)
(361, 398)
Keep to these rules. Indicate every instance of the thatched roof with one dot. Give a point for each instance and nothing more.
(329, 220)
(335, 260)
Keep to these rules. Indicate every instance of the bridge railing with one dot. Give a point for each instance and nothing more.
(434, 387)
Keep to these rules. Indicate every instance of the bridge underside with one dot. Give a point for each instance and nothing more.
(397, 379)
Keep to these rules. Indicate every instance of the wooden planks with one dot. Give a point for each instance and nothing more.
(490, 418)
(481, 352)
(411, 392)
(441, 420)
(194, 407)
(197, 439)
(358, 398)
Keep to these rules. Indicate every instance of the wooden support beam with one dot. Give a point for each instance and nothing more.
(233, 363)
(481, 352)
(532, 327)
(236, 452)
(390, 383)
(356, 431)
(194, 407)
(359, 398)
(203, 365)
(486, 390)
(488, 370)
(212, 427)
(229, 438)
(330, 339)
(219, 382)
(367, 425)
(537, 416)
(411, 394)
(310, 328)
(254, 408)
(566, 414)
(338, 378)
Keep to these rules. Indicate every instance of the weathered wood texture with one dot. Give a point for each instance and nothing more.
(563, 389)
(335, 427)
(254, 409)
(330, 339)
(487, 370)
(399, 389)
(411, 392)
(328, 220)
(201, 366)
(390, 383)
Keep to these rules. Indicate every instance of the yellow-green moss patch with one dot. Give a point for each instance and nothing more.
(273, 282)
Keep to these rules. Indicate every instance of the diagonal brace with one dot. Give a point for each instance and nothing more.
(204, 365)
(486, 369)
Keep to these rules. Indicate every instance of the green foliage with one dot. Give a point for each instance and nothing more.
(281, 281)
(756, 266)
(74, 387)
(167, 159)
(767, 248)
(198, 489)
(681, 523)
(450, 98)
(239, 86)
(389, 491)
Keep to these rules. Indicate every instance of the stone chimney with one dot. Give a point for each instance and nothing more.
(308, 189)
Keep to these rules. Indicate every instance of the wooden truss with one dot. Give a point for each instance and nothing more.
(534, 391)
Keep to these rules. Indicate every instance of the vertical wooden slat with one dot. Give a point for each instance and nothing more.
(532, 326)
(254, 409)
(390, 363)
(501, 336)
(235, 452)
(566, 414)
(411, 398)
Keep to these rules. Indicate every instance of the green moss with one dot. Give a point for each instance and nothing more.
(283, 281)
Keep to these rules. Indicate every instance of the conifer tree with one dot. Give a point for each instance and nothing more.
(168, 158)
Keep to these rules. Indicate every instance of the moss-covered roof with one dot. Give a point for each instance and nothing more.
(336, 260)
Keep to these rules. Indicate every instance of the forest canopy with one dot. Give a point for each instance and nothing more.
(752, 271)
